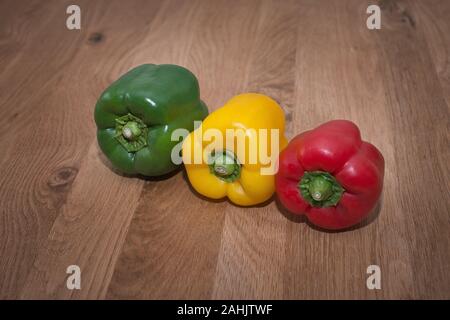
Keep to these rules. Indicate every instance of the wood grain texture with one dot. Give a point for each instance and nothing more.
(62, 204)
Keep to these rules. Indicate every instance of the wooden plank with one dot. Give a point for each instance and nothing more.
(56, 116)
(35, 173)
(89, 232)
(337, 78)
(184, 238)
(419, 117)
(170, 233)
(272, 72)
(435, 29)
(369, 77)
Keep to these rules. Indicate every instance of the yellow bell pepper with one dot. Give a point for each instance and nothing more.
(242, 165)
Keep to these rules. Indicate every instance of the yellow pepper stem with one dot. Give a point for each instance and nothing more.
(225, 166)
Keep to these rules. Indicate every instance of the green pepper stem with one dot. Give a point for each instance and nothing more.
(131, 130)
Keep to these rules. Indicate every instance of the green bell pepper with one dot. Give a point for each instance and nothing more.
(137, 114)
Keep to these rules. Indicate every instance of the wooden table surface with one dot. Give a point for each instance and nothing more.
(62, 205)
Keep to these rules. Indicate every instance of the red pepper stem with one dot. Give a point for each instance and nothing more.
(320, 189)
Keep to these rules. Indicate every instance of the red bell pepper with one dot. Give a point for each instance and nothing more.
(330, 175)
